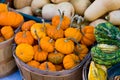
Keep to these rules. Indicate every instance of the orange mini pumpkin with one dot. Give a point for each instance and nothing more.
(47, 66)
(81, 50)
(33, 63)
(11, 19)
(3, 7)
(64, 21)
(24, 37)
(73, 33)
(40, 55)
(70, 61)
(7, 32)
(24, 52)
(64, 45)
(47, 44)
(88, 37)
(27, 25)
(55, 57)
(55, 32)
(39, 29)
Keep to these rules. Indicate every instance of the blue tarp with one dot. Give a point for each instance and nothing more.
(15, 76)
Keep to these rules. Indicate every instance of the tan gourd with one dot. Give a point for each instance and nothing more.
(50, 10)
(21, 3)
(59, 1)
(100, 7)
(80, 5)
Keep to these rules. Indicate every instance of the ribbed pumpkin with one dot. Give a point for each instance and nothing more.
(70, 61)
(81, 50)
(24, 37)
(73, 33)
(33, 63)
(27, 25)
(55, 32)
(11, 19)
(47, 44)
(39, 29)
(24, 52)
(61, 20)
(7, 32)
(3, 7)
(40, 55)
(64, 45)
(88, 37)
(47, 66)
(55, 57)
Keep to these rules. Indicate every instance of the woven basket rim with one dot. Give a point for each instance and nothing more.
(45, 72)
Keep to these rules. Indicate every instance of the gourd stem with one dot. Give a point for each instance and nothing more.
(51, 40)
(38, 39)
(107, 17)
(8, 5)
(47, 67)
(38, 11)
(24, 34)
(61, 19)
(73, 18)
(44, 27)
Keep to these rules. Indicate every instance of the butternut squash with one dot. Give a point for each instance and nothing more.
(100, 7)
(50, 10)
(114, 17)
(80, 5)
(21, 3)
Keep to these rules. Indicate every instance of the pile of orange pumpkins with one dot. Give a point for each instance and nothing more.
(9, 22)
(53, 46)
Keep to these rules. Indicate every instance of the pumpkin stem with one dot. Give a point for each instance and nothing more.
(61, 19)
(44, 27)
(38, 40)
(24, 34)
(38, 11)
(51, 40)
(76, 21)
(47, 67)
(8, 5)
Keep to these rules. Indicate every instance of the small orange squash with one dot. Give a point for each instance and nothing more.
(11, 19)
(47, 44)
(7, 32)
(55, 57)
(55, 32)
(27, 25)
(81, 50)
(3, 7)
(39, 29)
(58, 67)
(33, 63)
(40, 55)
(88, 37)
(24, 52)
(47, 66)
(64, 45)
(70, 61)
(24, 37)
(73, 33)
(61, 20)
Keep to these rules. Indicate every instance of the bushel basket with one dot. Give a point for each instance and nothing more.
(30, 73)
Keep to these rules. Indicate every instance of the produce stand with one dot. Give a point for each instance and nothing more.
(98, 31)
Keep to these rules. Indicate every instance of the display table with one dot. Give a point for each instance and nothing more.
(15, 76)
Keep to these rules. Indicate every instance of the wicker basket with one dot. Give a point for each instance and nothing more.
(86, 69)
(29, 73)
(7, 63)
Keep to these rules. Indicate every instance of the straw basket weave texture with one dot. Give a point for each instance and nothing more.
(29, 73)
